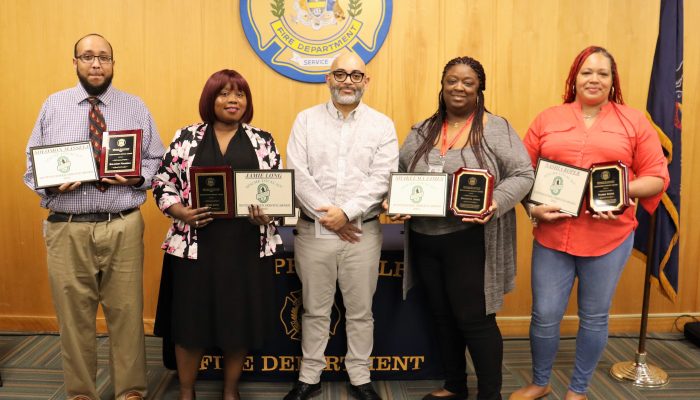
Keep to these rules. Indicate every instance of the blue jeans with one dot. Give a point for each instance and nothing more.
(553, 274)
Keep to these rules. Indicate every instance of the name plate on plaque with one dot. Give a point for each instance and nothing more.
(608, 187)
(121, 153)
(212, 187)
(559, 184)
(272, 190)
(472, 193)
(56, 164)
(419, 194)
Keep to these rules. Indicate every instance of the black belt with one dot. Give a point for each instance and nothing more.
(89, 217)
(309, 219)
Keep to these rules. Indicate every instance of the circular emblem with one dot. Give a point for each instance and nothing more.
(210, 182)
(63, 164)
(417, 194)
(471, 181)
(300, 38)
(605, 175)
(263, 193)
(121, 142)
(557, 185)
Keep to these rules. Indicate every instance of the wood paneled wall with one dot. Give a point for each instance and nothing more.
(166, 49)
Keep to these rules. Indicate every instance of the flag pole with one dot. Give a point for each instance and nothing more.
(638, 371)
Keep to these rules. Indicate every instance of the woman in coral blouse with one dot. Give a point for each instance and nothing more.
(592, 126)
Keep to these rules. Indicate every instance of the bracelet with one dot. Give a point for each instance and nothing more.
(534, 220)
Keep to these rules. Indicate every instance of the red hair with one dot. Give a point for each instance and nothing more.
(216, 82)
(615, 94)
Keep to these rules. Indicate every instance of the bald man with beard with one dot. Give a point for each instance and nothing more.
(342, 152)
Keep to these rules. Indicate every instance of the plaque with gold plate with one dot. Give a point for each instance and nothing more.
(121, 153)
(608, 187)
(472, 193)
(212, 187)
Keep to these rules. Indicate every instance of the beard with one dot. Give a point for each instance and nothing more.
(346, 99)
(92, 89)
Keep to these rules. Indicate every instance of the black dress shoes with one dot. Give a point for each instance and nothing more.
(364, 392)
(303, 391)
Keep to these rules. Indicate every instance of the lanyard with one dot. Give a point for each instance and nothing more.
(444, 146)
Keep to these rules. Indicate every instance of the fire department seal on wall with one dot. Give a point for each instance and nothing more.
(300, 38)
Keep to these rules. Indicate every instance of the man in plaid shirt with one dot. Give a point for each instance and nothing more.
(94, 232)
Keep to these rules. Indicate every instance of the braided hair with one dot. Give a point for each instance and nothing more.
(615, 95)
(430, 129)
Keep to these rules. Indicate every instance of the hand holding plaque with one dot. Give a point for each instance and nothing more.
(608, 188)
(472, 193)
(560, 185)
(212, 187)
(417, 194)
(57, 164)
(121, 153)
(271, 190)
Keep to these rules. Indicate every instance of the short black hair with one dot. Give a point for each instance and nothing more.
(75, 46)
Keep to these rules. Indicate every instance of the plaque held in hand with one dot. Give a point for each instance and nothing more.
(560, 185)
(608, 187)
(472, 193)
(212, 187)
(121, 153)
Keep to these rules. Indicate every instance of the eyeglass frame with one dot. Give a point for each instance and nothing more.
(347, 74)
(100, 59)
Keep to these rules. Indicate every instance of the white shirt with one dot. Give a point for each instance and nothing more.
(342, 161)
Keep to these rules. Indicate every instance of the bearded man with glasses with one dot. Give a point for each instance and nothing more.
(94, 231)
(342, 152)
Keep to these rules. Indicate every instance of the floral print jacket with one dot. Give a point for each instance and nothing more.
(171, 185)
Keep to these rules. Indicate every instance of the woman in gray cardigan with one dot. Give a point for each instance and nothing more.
(466, 264)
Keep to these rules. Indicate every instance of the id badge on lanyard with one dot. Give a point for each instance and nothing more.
(436, 165)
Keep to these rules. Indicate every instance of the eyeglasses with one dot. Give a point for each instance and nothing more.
(342, 76)
(90, 58)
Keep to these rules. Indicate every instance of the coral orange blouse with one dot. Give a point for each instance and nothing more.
(619, 133)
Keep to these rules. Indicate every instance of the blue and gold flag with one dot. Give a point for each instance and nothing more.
(664, 112)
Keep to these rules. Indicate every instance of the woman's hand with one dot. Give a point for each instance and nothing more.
(196, 218)
(487, 217)
(394, 217)
(546, 213)
(257, 216)
(608, 215)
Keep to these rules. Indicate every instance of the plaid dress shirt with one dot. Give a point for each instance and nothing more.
(64, 118)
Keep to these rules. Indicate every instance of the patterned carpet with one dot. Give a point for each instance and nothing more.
(30, 367)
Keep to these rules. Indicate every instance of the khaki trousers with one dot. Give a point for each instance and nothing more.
(91, 263)
(319, 264)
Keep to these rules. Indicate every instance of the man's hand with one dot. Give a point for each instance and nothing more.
(334, 219)
(349, 233)
(120, 180)
(66, 187)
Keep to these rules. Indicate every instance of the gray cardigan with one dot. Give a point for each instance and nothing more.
(512, 170)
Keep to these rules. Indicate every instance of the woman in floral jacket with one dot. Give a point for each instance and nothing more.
(214, 269)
